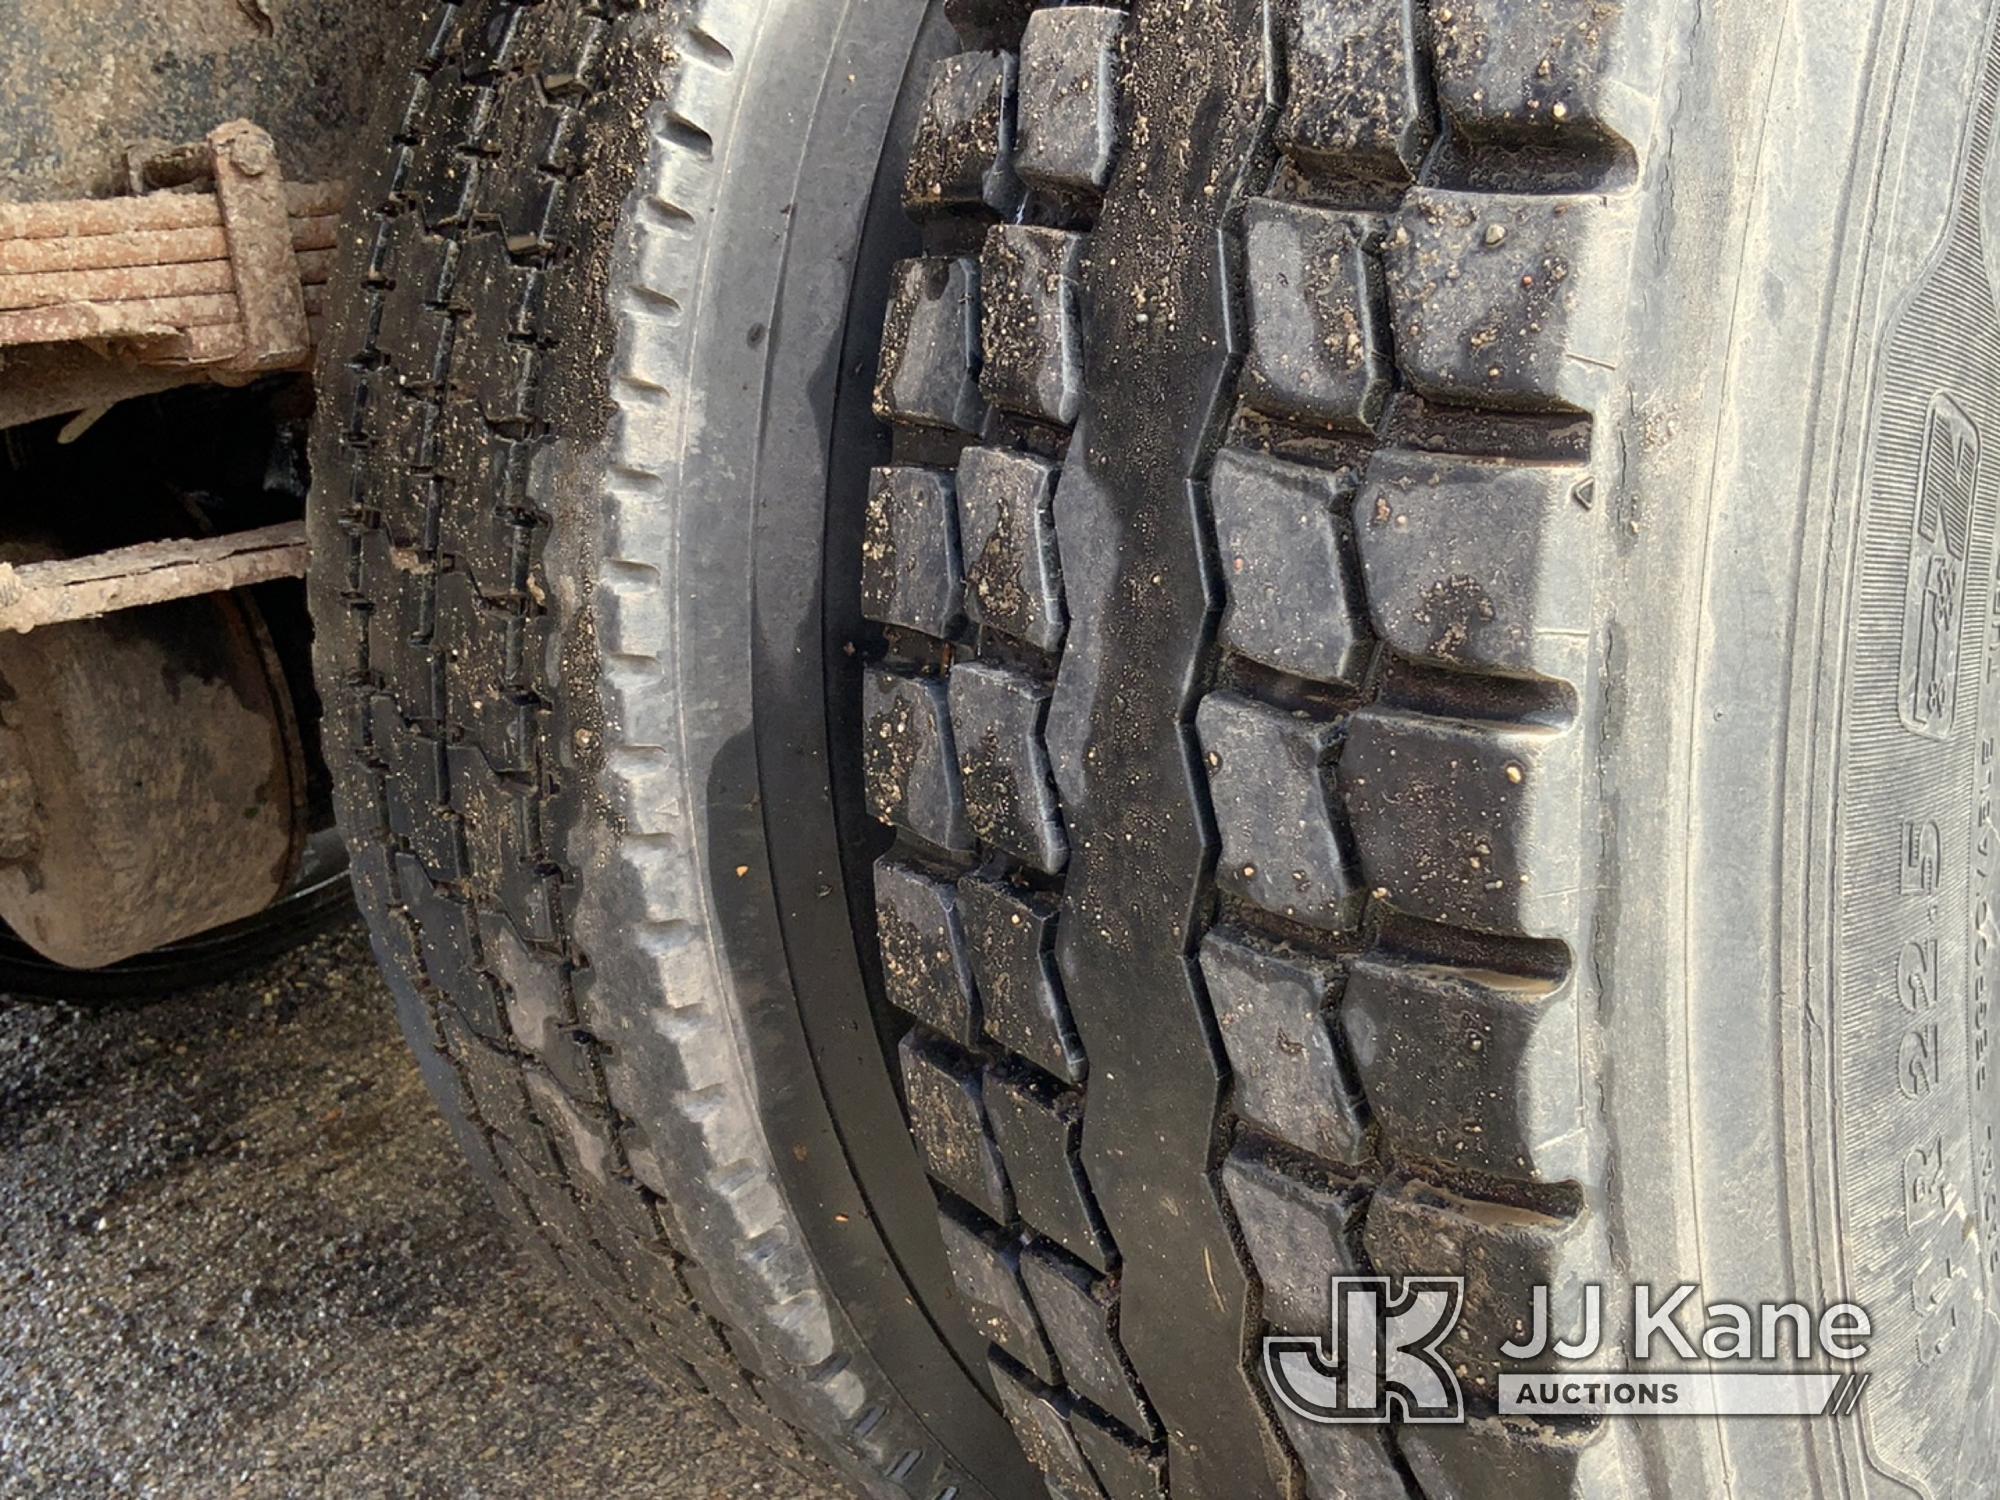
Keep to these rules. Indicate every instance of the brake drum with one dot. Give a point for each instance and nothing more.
(151, 778)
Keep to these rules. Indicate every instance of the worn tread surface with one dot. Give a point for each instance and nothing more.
(491, 596)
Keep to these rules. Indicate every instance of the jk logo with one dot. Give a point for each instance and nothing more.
(1383, 1364)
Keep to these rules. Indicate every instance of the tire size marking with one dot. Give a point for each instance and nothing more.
(1940, 541)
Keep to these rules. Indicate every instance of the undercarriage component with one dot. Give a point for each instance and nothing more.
(83, 588)
(320, 897)
(151, 778)
(103, 298)
(93, 89)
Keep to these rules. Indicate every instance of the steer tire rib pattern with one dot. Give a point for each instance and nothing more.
(492, 558)
(1234, 583)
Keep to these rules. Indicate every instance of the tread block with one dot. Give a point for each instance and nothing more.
(498, 1091)
(621, 1213)
(1473, 824)
(1515, 1456)
(583, 1140)
(400, 628)
(1416, 1229)
(1010, 798)
(448, 942)
(1300, 1228)
(539, 1011)
(988, 22)
(1079, 1314)
(1355, 99)
(909, 763)
(503, 558)
(1041, 1424)
(1125, 1470)
(1069, 97)
(419, 812)
(962, 155)
(531, 982)
(910, 569)
(1317, 340)
(1487, 566)
(1039, 1132)
(925, 966)
(929, 374)
(1470, 1067)
(501, 845)
(1291, 604)
(1006, 522)
(1504, 299)
(552, 1206)
(1011, 935)
(987, 1274)
(948, 1121)
(1345, 1460)
(1031, 340)
(1562, 82)
(479, 640)
(394, 940)
(1281, 847)
(1274, 1011)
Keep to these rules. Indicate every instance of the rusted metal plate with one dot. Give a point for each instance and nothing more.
(137, 283)
(35, 594)
(49, 380)
(149, 318)
(110, 249)
(152, 213)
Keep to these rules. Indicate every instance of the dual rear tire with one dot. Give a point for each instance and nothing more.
(1000, 698)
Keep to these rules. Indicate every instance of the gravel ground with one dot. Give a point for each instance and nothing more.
(241, 1257)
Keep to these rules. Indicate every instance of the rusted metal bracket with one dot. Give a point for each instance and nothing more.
(270, 296)
(82, 588)
(227, 282)
(152, 771)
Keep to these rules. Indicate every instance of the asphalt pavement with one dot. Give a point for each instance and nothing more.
(239, 1255)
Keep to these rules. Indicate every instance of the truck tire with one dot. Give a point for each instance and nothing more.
(1009, 680)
